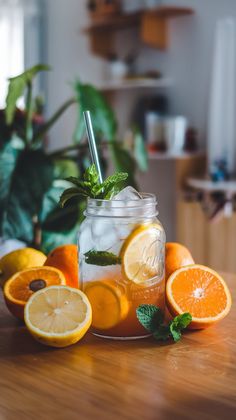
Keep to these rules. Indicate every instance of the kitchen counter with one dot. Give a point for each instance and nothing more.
(102, 379)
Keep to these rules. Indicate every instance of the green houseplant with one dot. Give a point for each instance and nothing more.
(32, 179)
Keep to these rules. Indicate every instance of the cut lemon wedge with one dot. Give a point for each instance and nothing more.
(109, 304)
(139, 254)
(58, 316)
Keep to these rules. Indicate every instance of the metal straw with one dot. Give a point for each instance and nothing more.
(92, 143)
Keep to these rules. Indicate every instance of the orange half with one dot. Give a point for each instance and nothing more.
(201, 291)
(20, 287)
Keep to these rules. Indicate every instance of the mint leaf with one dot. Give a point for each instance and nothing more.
(112, 181)
(89, 186)
(91, 175)
(163, 333)
(70, 193)
(150, 316)
(102, 258)
(178, 324)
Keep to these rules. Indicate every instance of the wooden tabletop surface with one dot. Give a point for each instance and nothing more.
(102, 379)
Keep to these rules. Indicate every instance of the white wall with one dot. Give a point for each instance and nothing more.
(188, 60)
(189, 57)
(68, 54)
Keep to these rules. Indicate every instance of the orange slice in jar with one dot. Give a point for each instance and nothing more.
(109, 304)
(139, 254)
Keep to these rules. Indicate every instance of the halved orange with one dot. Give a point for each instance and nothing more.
(201, 291)
(139, 254)
(20, 287)
(109, 304)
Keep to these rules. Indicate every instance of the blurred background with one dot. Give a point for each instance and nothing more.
(164, 71)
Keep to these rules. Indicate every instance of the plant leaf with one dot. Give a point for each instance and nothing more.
(124, 162)
(8, 157)
(30, 180)
(51, 216)
(16, 89)
(150, 316)
(102, 258)
(50, 239)
(102, 115)
(64, 168)
(140, 151)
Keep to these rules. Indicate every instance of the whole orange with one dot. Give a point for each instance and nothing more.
(177, 256)
(65, 258)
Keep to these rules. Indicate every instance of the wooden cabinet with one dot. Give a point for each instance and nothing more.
(152, 26)
(211, 243)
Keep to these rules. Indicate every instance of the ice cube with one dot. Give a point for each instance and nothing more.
(104, 234)
(85, 237)
(128, 194)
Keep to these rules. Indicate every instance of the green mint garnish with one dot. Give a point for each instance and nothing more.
(89, 186)
(178, 324)
(101, 258)
(152, 318)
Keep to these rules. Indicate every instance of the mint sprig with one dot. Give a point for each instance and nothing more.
(102, 258)
(152, 319)
(89, 186)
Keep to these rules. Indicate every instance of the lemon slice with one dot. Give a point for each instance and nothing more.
(58, 316)
(109, 304)
(139, 254)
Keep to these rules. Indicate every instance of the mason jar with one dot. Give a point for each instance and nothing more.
(122, 263)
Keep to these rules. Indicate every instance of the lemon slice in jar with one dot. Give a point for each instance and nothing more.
(139, 254)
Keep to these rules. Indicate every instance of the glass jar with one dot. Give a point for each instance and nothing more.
(122, 263)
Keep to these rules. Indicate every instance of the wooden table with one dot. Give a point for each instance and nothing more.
(100, 379)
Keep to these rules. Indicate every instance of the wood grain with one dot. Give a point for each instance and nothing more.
(193, 379)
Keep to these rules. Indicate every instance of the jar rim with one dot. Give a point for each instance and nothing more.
(147, 198)
(145, 207)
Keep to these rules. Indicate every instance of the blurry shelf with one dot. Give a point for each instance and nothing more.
(169, 11)
(174, 156)
(210, 186)
(118, 21)
(152, 26)
(135, 84)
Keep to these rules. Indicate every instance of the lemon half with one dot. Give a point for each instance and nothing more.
(58, 316)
